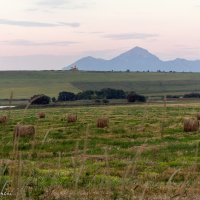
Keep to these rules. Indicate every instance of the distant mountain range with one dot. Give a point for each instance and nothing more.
(136, 59)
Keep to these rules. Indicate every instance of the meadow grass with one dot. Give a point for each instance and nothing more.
(27, 83)
(143, 154)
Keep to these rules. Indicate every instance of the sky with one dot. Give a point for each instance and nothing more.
(51, 34)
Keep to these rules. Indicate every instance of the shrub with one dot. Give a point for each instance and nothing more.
(86, 95)
(134, 97)
(105, 101)
(106, 93)
(40, 99)
(97, 101)
(53, 99)
(109, 93)
(192, 95)
(173, 96)
(66, 96)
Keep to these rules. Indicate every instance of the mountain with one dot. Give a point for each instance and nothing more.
(136, 59)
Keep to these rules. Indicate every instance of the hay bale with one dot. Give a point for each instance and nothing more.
(191, 125)
(71, 118)
(102, 122)
(41, 115)
(3, 119)
(198, 116)
(24, 130)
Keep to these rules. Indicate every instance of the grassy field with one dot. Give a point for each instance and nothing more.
(25, 84)
(144, 154)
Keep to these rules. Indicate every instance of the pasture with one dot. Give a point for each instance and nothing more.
(25, 84)
(143, 154)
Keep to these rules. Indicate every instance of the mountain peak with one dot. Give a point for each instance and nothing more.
(136, 54)
(136, 59)
(138, 50)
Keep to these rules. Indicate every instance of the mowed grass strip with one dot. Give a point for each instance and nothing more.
(28, 83)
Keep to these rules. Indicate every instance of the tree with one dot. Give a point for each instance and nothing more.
(53, 99)
(86, 95)
(40, 99)
(109, 93)
(134, 97)
(192, 95)
(106, 93)
(105, 101)
(66, 96)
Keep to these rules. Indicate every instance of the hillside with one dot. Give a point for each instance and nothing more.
(136, 59)
(26, 83)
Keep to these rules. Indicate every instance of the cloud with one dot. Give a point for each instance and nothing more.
(52, 3)
(74, 24)
(32, 43)
(70, 4)
(36, 24)
(90, 33)
(129, 36)
(196, 3)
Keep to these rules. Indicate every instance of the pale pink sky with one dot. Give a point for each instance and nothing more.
(65, 30)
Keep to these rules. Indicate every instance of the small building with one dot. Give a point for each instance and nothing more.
(74, 68)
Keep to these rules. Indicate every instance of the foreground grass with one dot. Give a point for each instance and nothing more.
(144, 154)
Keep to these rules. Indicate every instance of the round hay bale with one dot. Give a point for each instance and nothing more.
(71, 118)
(195, 125)
(198, 116)
(3, 119)
(24, 130)
(41, 115)
(102, 122)
(191, 125)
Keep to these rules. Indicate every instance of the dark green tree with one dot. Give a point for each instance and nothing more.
(40, 99)
(66, 96)
(134, 97)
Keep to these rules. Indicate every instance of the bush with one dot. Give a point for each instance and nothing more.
(86, 95)
(66, 96)
(53, 99)
(97, 101)
(105, 101)
(134, 97)
(109, 93)
(192, 95)
(173, 96)
(106, 93)
(40, 99)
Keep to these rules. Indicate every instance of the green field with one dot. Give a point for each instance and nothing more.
(144, 154)
(25, 84)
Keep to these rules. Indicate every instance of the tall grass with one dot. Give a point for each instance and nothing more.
(110, 163)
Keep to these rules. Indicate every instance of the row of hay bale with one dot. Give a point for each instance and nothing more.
(29, 130)
(191, 125)
(101, 122)
(4, 118)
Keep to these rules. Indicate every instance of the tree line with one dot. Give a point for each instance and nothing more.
(186, 96)
(104, 94)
